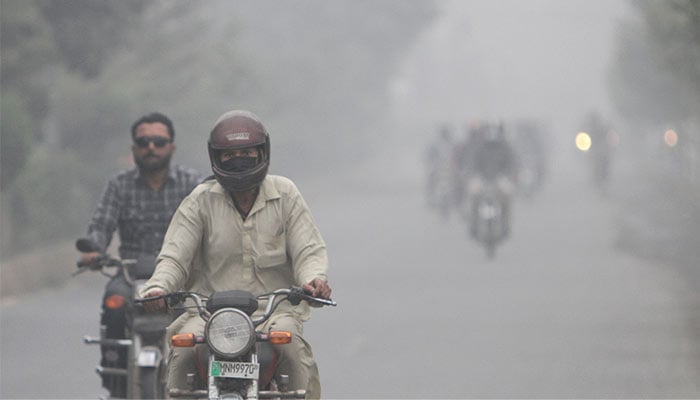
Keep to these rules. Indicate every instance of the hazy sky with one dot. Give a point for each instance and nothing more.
(508, 59)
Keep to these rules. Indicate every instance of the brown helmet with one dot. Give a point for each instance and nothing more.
(235, 130)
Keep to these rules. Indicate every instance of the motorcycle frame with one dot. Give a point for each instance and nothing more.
(134, 345)
(252, 390)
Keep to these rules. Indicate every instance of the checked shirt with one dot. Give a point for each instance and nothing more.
(141, 214)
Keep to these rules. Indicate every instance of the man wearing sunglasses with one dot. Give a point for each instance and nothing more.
(139, 203)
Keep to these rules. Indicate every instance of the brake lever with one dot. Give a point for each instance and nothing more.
(175, 298)
(154, 298)
(298, 294)
(80, 270)
(325, 302)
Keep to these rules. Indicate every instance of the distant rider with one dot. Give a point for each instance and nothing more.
(601, 147)
(439, 160)
(493, 162)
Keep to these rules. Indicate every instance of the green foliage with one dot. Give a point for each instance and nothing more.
(655, 76)
(321, 71)
(26, 43)
(86, 32)
(315, 71)
(639, 87)
(95, 125)
(15, 137)
(674, 34)
(96, 115)
(26, 51)
(48, 200)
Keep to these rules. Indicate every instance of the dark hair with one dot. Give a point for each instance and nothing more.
(153, 118)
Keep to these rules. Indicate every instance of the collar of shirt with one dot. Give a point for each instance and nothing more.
(268, 191)
(172, 175)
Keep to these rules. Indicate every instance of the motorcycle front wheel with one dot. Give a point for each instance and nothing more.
(150, 385)
(147, 382)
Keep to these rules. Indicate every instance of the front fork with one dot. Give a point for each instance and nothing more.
(148, 356)
(142, 358)
(116, 343)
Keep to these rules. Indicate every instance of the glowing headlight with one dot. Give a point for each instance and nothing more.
(229, 332)
(583, 141)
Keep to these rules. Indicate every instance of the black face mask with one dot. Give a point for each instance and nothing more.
(239, 164)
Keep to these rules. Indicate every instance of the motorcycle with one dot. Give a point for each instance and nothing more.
(133, 364)
(489, 218)
(240, 362)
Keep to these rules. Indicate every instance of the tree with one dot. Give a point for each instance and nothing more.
(86, 32)
(316, 71)
(674, 32)
(16, 121)
(37, 39)
(25, 50)
(42, 42)
(656, 73)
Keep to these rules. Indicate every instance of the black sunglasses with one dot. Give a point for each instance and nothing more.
(157, 141)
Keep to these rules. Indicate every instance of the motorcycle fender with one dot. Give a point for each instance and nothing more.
(149, 356)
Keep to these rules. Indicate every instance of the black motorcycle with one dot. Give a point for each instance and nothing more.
(489, 219)
(240, 362)
(134, 348)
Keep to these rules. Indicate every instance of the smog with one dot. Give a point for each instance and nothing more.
(592, 292)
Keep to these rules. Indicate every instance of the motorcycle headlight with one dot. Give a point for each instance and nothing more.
(229, 332)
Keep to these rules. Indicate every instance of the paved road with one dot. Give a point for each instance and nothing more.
(422, 313)
(559, 313)
(42, 355)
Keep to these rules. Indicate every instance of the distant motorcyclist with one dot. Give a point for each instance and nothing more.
(464, 156)
(530, 146)
(439, 160)
(601, 136)
(492, 162)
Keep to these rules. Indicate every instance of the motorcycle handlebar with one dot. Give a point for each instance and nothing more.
(294, 295)
(104, 260)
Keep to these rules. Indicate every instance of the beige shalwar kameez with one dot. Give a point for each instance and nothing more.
(210, 247)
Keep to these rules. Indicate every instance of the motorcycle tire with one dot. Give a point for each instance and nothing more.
(150, 387)
(490, 250)
(146, 382)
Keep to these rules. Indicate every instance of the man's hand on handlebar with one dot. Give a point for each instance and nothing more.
(318, 288)
(89, 259)
(154, 305)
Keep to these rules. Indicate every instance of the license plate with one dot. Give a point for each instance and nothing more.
(147, 358)
(230, 369)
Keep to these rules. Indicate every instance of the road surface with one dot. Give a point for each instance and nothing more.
(560, 312)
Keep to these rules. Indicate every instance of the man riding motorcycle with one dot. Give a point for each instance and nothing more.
(243, 230)
(439, 163)
(492, 162)
(601, 150)
(138, 203)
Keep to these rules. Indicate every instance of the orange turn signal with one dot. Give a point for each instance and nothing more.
(279, 337)
(183, 340)
(115, 301)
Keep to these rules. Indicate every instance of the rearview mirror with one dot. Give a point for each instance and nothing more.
(87, 246)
